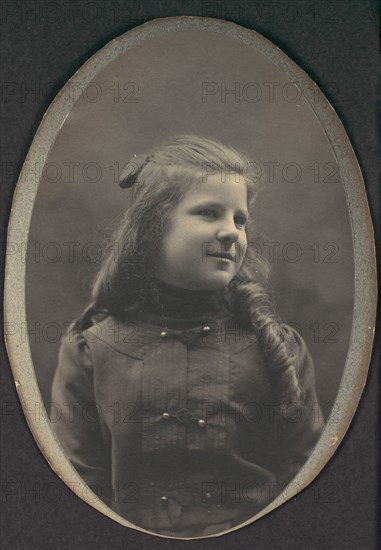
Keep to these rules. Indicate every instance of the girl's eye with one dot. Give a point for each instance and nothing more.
(208, 213)
(240, 220)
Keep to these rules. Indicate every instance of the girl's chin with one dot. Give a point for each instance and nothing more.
(215, 282)
(215, 279)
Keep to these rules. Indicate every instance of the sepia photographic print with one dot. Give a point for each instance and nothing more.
(195, 315)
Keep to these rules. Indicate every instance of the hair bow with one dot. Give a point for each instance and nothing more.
(132, 170)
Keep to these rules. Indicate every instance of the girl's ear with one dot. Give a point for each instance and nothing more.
(132, 170)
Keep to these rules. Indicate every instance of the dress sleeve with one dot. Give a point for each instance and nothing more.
(301, 427)
(77, 423)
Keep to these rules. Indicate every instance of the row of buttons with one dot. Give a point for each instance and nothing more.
(200, 421)
(205, 328)
(164, 499)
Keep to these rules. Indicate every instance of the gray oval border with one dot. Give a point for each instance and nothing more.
(364, 313)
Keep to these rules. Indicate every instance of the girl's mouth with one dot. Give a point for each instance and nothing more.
(224, 257)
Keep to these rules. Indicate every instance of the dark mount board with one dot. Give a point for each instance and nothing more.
(336, 43)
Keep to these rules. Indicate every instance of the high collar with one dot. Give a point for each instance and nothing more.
(169, 305)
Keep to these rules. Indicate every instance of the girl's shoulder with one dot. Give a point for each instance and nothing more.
(79, 334)
(85, 345)
(104, 333)
(277, 335)
(74, 356)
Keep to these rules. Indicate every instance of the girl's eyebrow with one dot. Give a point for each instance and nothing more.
(212, 204)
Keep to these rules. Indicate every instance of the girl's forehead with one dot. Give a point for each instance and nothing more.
(221, 186)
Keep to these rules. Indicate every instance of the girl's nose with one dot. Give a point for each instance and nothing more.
(228, 233)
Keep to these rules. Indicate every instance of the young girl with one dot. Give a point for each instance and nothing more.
(187, 406)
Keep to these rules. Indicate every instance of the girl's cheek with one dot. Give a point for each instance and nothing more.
(243, 250)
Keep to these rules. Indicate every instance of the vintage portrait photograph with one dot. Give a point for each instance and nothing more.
(190, 278)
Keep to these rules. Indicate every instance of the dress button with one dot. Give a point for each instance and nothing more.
(206, 328)
(201, 422)
(163, 334)
(166, 415)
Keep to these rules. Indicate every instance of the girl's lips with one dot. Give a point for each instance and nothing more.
(225, 257)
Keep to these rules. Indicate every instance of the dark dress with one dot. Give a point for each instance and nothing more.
(169, 414)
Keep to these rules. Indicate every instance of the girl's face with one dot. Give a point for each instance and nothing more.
(204, 242)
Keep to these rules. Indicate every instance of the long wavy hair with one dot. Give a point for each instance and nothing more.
(157, 182)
